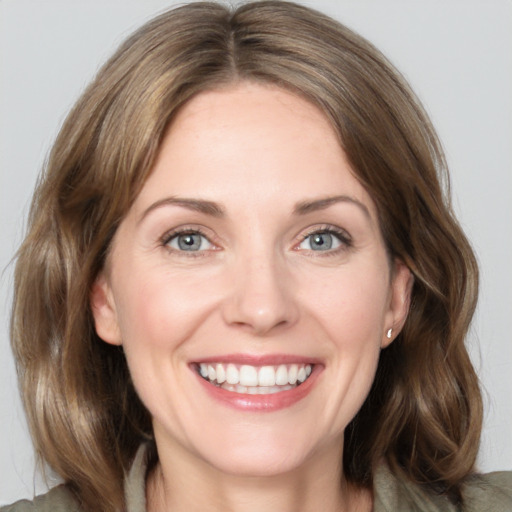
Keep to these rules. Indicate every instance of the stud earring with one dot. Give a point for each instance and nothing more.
(388, 334)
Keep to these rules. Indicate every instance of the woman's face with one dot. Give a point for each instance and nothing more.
(251, 261)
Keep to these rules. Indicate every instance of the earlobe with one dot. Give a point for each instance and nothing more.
(104, 311)
(400, 300)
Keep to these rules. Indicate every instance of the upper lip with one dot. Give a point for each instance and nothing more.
(259, 359)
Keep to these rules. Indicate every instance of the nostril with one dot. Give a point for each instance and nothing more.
(260, 320)
(261, 297)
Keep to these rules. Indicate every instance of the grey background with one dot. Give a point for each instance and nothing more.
(457, 56)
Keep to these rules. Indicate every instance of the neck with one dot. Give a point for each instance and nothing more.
(198, 486)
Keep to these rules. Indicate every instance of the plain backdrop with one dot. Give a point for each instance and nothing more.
(457, 56)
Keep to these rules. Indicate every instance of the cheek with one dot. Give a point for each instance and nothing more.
(351, 310)
(159, 315)
(351, 304)
(162, 309)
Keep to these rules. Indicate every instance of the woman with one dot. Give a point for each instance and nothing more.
(242, 286)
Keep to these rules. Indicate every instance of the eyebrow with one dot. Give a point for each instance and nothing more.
(305, 207)
(197, 205)
(215, 210)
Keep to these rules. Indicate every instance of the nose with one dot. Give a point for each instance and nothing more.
(261, 298)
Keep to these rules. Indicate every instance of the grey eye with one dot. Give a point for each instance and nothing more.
(190, 242)
(320, 241)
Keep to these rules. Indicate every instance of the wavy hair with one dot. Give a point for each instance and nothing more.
(423, 414)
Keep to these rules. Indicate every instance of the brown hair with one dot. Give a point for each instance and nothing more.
(423, 414)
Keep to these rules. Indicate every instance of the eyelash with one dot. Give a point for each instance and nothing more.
(171, 235)
(341, 235)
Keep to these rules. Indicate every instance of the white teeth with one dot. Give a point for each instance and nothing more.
(255, 390)
(232, 375)
(248, 375)
(267, 376)
(282, 375)
(253, 379)
(221, 373)
(292, 374)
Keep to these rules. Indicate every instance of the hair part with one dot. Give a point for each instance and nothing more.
(424, 412)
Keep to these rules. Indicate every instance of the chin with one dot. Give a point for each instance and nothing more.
(258, 465)
(260, 455)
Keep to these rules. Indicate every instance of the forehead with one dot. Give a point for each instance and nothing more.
(251, 142)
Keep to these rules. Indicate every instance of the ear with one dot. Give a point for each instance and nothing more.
(402, 282)
(104, 311)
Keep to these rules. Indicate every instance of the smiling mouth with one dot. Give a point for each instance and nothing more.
(255, 380)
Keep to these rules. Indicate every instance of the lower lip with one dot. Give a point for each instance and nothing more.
(269, 403)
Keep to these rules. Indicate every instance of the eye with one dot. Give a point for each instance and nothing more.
(190, 241)
(324, 240)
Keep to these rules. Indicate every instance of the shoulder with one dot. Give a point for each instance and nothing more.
(58, 499)
(481, 493)
(491, 492)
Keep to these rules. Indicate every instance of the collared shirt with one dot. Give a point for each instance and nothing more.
(482, 493)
